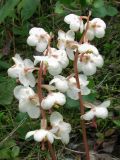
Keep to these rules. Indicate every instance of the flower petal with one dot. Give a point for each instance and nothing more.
(50, 137)
(74, 26)
(32, 40)
(105, 104)
(72, 94)
(101, 112)
(88, 115)
(21, 92)
(13, 72)
(55, 118)
(42, 45)
(27, 79)
(61, 35)
(65, 138)
(39, 135)
(70, 53)
(33, 111)
(70, 35)
(28, 63)
(29, 134)
(40, 59)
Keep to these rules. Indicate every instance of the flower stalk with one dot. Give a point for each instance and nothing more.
(82, 110)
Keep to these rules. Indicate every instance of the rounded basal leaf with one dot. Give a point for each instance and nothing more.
(111, 11)
(71, 104)
(15, 151)
(6, 90)
(98, 3)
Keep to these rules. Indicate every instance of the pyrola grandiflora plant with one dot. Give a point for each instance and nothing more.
(86, 59)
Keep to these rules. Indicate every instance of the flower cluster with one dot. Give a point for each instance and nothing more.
(54, 60)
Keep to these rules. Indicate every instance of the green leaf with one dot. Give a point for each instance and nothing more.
(5, 153)
(70, 103)
(6, 90)
(4, 65)
(58, 8)
(8, 144)
(83, 3)
(15, 151)
(7, 9)
(90, 97)
(99, 12)
(66, 2)
(21, 30)
(28, 8)
(111, 11)
(117, 122)
(98, 3)
(20, 116)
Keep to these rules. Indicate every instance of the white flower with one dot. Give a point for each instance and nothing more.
(96, 28)
(72, 92)
(61, 83)
(55, 61)
(28, 101)
(38, 37)
(42, 134)
(63, 42)
(99, 111)
(52, 99)
(89, 59)
(23, 70)
(69, 85)
(75, 22)
(62, 128)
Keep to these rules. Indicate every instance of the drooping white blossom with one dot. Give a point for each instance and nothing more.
(62, 129)
(75, 22)
(69, 85)
(96, 29)
(52, 99)
(99, 111)
(56, 60)
(64, 41)
(39, 38)
(42, 134)
(28, 101)
(89, 59)
(23, 71)
(60, 82)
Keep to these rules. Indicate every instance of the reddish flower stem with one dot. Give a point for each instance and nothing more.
(82, 109)
(43, 113)
(40, 72)
(52, 153)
